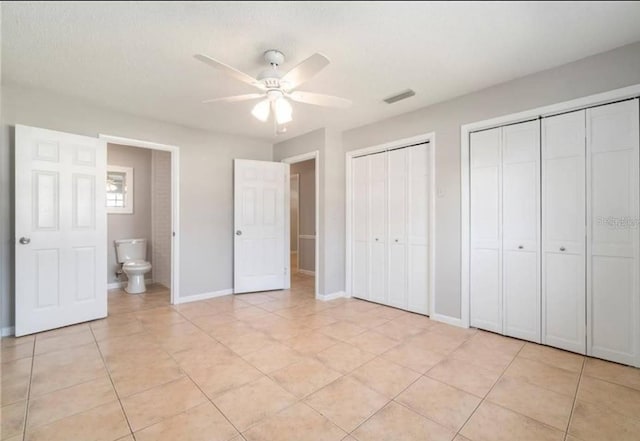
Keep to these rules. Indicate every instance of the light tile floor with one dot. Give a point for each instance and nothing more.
(282, 366)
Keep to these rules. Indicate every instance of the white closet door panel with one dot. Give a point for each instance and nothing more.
(360, 228)
(485, 289)
(520, 207)
(418, 228)
(521, 295)
(378, 225)
(520, 230)
(485, 207)
(563, 320)
(486, 235)
(397, 195)
(418, 279)
(563, 231)
(397, 268)
(613, 294)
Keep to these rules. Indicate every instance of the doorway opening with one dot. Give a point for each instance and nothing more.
(303, 208)
(142, 217)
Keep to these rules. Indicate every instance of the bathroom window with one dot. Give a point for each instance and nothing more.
(119, 189)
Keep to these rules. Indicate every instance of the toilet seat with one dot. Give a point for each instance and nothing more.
(136, 265)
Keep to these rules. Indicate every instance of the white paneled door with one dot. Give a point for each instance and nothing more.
(563, 231)
(389, 197)
(486, 230)
(521, 230)
(505, 230)
(261, 259)
(613, 261)
(61, 233)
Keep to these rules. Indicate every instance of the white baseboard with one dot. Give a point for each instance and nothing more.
(8, 331)
(117, 285)
(448, 320)
(307, 272)
(332, 296)
(203, 296)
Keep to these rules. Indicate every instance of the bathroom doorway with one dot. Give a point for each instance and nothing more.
(303, 207)
(142, 189)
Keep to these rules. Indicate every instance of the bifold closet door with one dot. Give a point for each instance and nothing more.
(563, 231)
(378, 227)
(417, 228)
(486, 230)
(360, 233)
(397, 269)
(613, 292)
(521, 230)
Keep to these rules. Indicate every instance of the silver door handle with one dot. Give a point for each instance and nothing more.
(238, 233)
(562, 248)
(25, 240)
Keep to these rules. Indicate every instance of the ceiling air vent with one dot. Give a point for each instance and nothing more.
(400, 96)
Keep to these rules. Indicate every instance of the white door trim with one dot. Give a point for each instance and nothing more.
(465, 131)
(318, 270)
(295, 177)
(175, 202)
(426, 137)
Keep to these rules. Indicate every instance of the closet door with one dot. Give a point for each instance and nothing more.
(418, 227)
(563, 231)
(378, 227)
(397, 269)
(486, 230)
(613, 294)
(520, 230)
(360, 228)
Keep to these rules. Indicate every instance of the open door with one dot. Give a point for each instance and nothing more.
(261, 242)
(61, 233)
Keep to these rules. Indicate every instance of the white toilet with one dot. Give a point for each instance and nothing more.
(131, 253)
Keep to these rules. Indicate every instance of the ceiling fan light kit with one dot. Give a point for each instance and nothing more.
(278, 88)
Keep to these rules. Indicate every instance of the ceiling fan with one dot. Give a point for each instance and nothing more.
(277, 88)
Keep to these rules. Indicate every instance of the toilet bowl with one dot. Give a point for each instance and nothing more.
(135, 271)
(131, 254)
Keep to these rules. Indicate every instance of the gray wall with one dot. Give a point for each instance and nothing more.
(206, 184)
(137, 224)
(600, 73)
(307, 212)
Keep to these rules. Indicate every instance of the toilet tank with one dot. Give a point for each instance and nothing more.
(131, 249)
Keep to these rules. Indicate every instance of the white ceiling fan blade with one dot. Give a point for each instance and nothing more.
(234, 99)
(229, 70)
(319, 99)
(304, 71)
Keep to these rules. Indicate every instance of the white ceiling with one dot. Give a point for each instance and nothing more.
(137, 57)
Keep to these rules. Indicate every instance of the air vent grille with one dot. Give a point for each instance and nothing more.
(400, 96)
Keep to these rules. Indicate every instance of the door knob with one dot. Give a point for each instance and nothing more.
(376, 239)
(25, 240)
(238, 233)
(396, 240)
(520, 247)
(562, 248)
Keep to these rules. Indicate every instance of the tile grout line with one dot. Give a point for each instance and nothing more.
(106, 368)
(408, 386)
(491, 389)
(575, 398)
(26, 407)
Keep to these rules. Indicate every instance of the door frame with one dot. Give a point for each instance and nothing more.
(175, 202)
(317, 268)
(465, 199)
(429, 137)
(295, 177)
